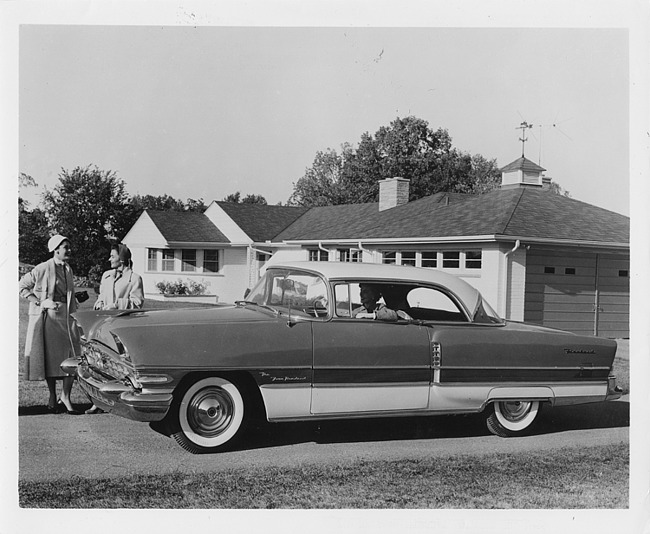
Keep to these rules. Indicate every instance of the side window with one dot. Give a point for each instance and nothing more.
(348, 299)
(430, 304)
(342, 297)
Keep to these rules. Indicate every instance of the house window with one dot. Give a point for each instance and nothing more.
(167, 260)
(349, 255)
(188, 263)
(152, 259)
(570, 270)
(450, 260)
(473, 259)
(429, 259)
(318, 255)
(549, 270)
(623, 273)
(408, 258)
(210, 261)
(389, 258)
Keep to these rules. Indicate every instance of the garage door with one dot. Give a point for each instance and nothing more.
(582, 293)
(613, 294)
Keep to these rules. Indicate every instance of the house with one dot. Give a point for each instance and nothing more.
(536, 256)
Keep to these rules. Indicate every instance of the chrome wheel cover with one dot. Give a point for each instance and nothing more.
(516, 410)
(210, 412)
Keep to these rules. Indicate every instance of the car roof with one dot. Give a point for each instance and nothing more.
(336, 270)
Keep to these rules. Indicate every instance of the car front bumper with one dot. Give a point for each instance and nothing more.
(120, 399)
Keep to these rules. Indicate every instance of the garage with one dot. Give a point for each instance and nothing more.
(582, 292)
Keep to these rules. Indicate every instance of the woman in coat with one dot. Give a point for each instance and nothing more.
(120, 288)
(52, 334)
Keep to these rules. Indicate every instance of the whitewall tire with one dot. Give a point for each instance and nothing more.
(210, 416)
(512, 417)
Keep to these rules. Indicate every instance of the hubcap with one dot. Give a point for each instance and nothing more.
(210, 411)
(516, 410)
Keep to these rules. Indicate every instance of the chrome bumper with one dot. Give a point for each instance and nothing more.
(120, 399)
(613, 391)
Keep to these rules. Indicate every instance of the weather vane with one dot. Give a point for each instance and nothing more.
(523, 127)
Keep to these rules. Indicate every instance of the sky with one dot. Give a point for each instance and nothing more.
(205, 111)
(203, 99)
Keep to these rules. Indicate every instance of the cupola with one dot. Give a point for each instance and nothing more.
(522, 173)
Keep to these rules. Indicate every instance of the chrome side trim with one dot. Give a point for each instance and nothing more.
(296, 403)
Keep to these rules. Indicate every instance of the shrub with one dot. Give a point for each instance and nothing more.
(182, 288)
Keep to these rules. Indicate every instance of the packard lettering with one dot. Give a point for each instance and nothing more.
(282, 378)
(579, 351)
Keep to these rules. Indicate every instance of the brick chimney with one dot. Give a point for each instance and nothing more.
(393, 192)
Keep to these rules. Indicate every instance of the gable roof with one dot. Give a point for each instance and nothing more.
(261, 222)
(521, 212)
(186, 227)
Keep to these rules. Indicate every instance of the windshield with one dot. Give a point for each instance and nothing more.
(299, 291)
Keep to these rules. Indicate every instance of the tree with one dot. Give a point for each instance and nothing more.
(33, 231)
(406, 148)
(248, 199)
(90, 207)
(558, 190)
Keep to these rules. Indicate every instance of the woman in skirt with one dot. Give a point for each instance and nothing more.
(52, 334)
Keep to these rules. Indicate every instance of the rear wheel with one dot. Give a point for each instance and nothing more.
(210, 415)
(512, 418)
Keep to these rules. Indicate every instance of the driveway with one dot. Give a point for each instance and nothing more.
(107, 446)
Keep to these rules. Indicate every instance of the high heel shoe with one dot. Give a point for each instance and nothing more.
(59, 407)
(64, 409)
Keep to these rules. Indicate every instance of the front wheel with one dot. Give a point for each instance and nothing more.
(512, 418)
(210, 415)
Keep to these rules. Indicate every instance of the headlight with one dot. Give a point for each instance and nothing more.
(121, 349)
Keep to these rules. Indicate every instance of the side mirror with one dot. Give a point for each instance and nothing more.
(247, 292)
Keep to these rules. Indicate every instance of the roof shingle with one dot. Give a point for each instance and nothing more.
(186, 226)
(261, 222)
(521, 212)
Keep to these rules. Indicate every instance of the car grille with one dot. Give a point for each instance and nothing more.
(100, 360)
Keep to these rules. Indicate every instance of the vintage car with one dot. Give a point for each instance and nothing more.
(296, 349)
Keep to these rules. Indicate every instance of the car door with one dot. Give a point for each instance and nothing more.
(366, 366)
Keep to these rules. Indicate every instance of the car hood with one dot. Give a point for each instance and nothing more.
(103, 326)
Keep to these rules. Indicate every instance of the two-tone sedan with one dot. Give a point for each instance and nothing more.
(302, 346)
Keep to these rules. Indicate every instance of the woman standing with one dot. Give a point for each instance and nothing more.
(52, 334)
(120, 289)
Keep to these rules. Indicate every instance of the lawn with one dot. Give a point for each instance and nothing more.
(575, 478)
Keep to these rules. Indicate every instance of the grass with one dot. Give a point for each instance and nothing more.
(582, 478)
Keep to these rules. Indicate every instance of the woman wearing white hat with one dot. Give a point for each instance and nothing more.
(52, 334)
